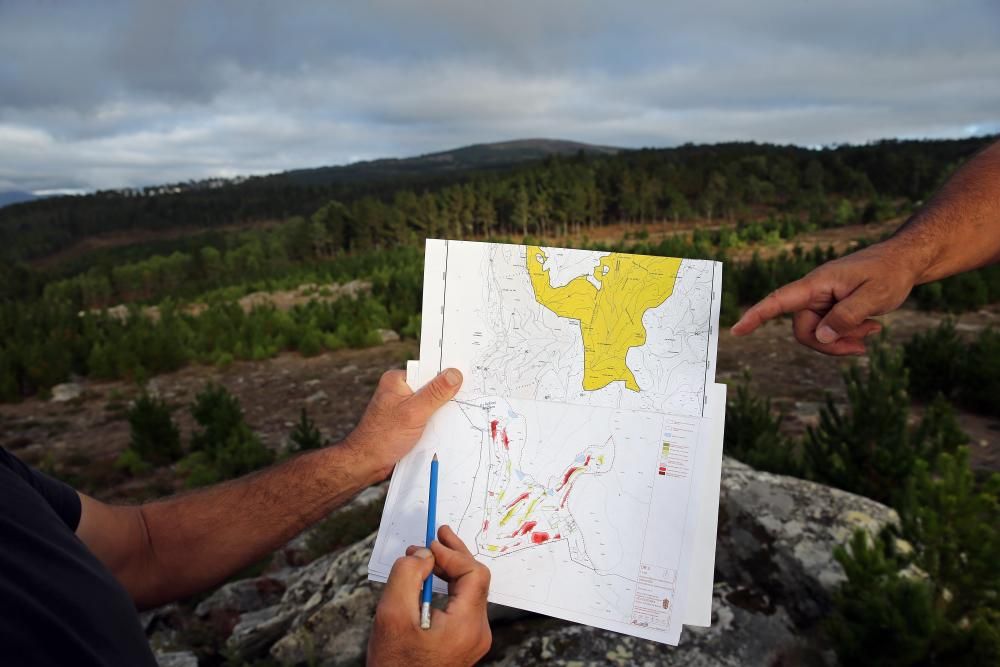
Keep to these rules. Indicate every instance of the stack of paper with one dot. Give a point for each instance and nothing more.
(581, 459)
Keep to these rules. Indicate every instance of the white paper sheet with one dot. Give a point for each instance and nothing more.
(698, 603)
(613, 518)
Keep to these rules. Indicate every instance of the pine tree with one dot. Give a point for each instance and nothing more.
(154, 437)
(225, 446)
(305, 435)
(869, 448)
(753, 433)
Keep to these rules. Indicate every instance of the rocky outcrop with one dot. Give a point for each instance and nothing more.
(324, 615)
(777, 536)
(738, 636)
(68, 391)
(176, 659)
(775, 573)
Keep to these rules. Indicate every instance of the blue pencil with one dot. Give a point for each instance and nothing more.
(432, 499)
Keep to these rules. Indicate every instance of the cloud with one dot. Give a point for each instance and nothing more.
(132, 93)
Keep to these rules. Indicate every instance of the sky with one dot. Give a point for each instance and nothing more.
(109, 94)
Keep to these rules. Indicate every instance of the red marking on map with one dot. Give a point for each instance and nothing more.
(506, 440)
(539, 537)
(493, 429)
(525, 527)
(567, 476)
(521, 497)
(566, 496)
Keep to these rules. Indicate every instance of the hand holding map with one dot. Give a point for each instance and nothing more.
(572, 448)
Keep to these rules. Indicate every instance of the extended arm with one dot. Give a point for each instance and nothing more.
(957, 230)
(172, 548)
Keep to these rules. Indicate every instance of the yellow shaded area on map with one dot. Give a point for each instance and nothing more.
(610, 317)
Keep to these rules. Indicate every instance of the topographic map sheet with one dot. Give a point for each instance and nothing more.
(570, 463)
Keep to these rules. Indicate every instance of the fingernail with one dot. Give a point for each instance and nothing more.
(452, 377)
(825, 334)
(872, 332)
(423, 552)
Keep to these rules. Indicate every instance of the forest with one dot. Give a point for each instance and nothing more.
(378, 208)
(54, 322)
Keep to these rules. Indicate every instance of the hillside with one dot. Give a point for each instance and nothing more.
(15, 197)
(477, 156)
(507, 188)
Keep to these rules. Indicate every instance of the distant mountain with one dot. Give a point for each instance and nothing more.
(477, 156)
(15, 197)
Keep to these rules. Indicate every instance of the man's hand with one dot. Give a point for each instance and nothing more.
(957, 230)
(834, 303)
(396, 417)
(459, 635)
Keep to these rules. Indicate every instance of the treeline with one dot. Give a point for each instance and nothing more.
(43, 342)
(964, 371)
(928, 591)
(47, 339)
(555, 195)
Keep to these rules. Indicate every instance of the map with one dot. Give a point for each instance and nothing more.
(569, 459)
(576, 326)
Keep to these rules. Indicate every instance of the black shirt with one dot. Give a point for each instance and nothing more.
(58, 604)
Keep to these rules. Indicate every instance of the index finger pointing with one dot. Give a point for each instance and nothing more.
(788, 299)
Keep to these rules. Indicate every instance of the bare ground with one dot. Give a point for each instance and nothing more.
(797, 379)
(80, 440)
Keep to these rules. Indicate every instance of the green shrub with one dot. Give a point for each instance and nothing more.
(939, 361)
(310, 344)
(132, 463)
(938, 605)
(224, 447)
(870, 448)
(880, 617)
(980, 388)
(934, 359)
(153, 438)
(305, 435)
(753, 433)
(954, 523)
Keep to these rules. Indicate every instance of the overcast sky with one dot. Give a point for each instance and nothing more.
(108, 94)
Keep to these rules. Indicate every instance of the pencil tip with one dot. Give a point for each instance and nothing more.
(435, 457)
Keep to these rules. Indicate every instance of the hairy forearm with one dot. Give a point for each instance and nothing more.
(195, 541)
(959, 228)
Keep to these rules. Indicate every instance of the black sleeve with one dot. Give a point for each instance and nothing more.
(61, 497)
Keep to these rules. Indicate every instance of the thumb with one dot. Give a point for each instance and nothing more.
(436, 393)
(406, 579)
(848, 314)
